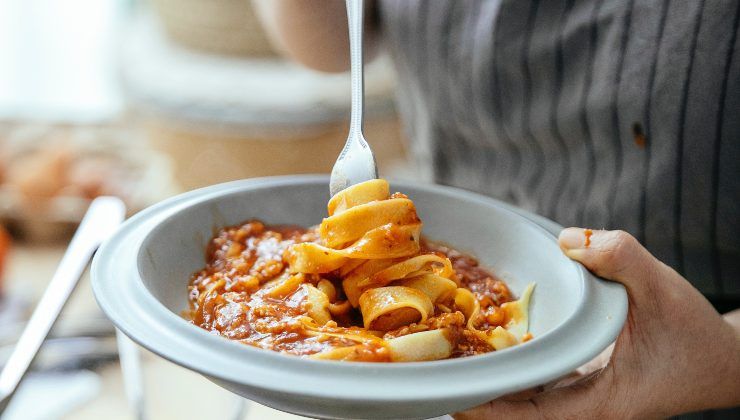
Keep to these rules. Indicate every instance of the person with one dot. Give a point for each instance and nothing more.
(614, 114)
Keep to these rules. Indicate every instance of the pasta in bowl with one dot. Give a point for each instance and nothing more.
(361, 286)
(141, 276)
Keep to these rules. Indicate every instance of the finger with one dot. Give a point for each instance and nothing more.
(524, 395)
(584, 399)
(614, 255)
(598, 362)
(558, 403)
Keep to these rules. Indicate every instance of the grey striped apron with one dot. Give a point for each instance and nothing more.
(617, 114)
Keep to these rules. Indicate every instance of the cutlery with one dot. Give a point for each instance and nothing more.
(100, 221)
(356, 162)
(133, 382)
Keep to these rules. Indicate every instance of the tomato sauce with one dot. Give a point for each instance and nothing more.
(231, 297)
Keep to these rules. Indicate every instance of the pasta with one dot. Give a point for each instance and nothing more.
(361, 286)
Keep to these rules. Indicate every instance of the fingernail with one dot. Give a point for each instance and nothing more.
(572, 238)
(575, 254)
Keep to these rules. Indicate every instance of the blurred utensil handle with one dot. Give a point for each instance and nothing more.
(101, 220)
(133, 381)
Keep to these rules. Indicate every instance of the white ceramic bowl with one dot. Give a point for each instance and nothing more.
(140, 277)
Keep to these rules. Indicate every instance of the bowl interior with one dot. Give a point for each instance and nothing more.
(514, 248)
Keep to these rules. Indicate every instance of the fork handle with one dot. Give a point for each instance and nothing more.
(101, 219)
(355, 21)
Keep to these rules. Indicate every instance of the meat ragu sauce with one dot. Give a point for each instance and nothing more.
(228, 297)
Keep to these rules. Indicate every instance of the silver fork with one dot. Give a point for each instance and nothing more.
(356, 163)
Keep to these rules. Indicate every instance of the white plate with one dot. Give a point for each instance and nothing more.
(140, 279)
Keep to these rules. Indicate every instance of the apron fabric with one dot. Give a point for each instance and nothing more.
(616, 114)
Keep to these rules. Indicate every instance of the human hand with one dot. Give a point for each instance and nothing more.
(314, 32)
(675, 353)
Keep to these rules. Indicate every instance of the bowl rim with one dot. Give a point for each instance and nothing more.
(125, 299)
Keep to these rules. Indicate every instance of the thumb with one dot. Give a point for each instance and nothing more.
(614, 255)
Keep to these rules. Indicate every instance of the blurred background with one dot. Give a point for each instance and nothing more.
(143, 100)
